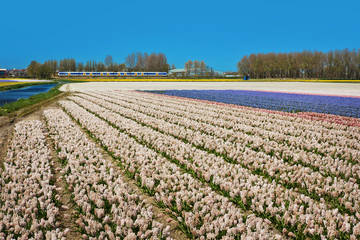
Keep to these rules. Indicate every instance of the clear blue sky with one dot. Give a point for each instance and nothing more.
(218, 32)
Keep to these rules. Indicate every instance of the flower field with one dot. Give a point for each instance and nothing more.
(344, 106)
(218, 170)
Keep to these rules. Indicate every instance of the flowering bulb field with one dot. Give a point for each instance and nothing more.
(220, 171)
(28, 198)
(289, 102)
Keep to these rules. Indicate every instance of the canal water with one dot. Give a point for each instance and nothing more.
(25, 92)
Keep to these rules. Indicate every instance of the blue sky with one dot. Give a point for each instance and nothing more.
(218, 32)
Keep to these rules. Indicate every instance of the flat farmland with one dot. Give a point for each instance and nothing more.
(347, 89)
(108, 162)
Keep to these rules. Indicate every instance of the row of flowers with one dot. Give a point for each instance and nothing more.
(291, 175)
(255, 117)
(319, 156)
(200, 212)
(303, 113)
(288, 102)
(307, 130)
(336, 147)
(107, 208)
(285, 207)
(29, 206)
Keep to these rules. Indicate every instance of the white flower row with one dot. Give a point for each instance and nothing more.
(28, 198)
(330, 142)
(253, 120)
(288, 207)
(108, 207)
(331, 166)
(200, 211)
(346, 192)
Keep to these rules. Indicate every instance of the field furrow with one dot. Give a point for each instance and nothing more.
(347, 167)
(200, 211)
(29, 207)
(313, 138)
(339, 193)
(286, 208)
(106, 206)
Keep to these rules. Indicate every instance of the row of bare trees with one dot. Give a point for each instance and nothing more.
(154, 62)
(198, 69)
(338, 64)
(70, 65)
(144, 62)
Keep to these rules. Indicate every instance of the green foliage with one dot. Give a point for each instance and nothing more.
(42, 71)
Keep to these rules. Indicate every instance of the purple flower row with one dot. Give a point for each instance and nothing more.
(288, 102)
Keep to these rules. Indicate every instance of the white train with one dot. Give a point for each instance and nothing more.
(112, 74)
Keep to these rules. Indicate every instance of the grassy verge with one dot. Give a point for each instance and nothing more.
(22, 103)
(12, 85)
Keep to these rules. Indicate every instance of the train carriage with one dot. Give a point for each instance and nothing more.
(113, 74)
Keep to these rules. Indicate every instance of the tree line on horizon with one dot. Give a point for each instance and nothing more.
(337, 64)
(141, 62)
(198, 69)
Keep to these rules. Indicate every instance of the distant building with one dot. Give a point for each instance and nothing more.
(3, 73)
(177, 72)
(18, 73)
(231, 74)
(209, 72)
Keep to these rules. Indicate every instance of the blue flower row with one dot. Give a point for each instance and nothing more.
(288, 102)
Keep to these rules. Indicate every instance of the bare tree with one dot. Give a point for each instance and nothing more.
(100, 67)
(189, 67)
(80, 67)
(108, 61)
(130, 61)
(121, 67)
(140, 62)
(202, 68)
(196, 67)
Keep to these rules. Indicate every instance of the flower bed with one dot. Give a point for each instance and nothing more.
(263, 160)
(345, 106)
(29, 204)
(106, 206)
(238, 183)
(199, 210)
